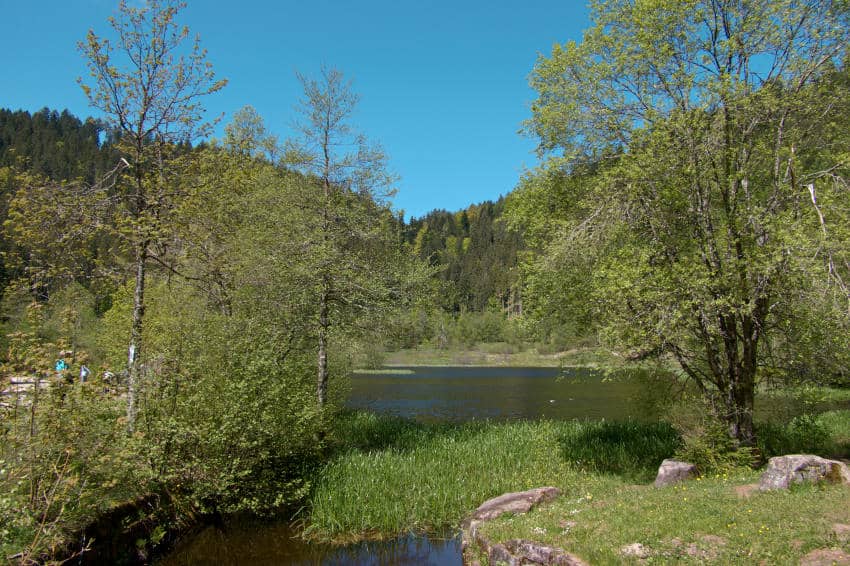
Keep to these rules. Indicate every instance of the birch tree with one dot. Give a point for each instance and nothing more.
(148, 80)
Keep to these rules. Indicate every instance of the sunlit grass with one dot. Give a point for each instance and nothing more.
(696, 522)
(393, 475)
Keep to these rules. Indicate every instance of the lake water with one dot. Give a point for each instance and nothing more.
(427, 394)
(498, 393)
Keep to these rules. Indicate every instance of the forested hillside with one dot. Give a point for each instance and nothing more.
(477, 254)
(58, 146)
(46, 145)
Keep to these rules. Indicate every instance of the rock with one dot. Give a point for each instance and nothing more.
(841, 532)
(825, 557)
(782, 471)
(635, 550)
(528, 552)
(674, 471)
(516, 503)
(515, 552)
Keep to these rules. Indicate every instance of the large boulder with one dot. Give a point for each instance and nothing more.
(514, 552)
(782, 471)
(520, 552)
(674, 471)
(515, 503)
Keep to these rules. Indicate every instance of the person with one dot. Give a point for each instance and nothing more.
(61, 365)
(84, 374)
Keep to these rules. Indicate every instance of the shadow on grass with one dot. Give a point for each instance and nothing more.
(362, 431)
(627, 449)
(826, 434)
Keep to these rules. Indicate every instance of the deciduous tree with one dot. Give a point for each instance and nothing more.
(711, 125)
(148, 82)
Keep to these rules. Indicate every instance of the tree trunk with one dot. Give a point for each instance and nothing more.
(133, 359)
(322, 385)
(740, 409)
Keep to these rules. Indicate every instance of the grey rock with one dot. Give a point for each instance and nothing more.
(635, 550)
(674, 471)
(529, 552)
(515, 503)
(782, 471)
(515, 552)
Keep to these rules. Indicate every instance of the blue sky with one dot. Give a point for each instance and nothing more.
(443, 84)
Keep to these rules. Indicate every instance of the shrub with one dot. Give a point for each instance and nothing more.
(705, 439)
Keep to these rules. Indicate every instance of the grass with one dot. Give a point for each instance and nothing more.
(393, 475)
(390, 475)
(696, 522)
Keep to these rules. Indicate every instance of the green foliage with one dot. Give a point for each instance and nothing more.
(65, 459)
(685, 207)
(228, 417)
(705, 439)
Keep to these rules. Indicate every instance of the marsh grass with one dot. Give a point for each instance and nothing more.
(393, 475)
(627, 449)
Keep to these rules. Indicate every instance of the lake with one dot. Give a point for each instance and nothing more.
(498, 393)
(427, 394)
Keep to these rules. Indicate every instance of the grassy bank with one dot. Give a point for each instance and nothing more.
(391, 475)
(394, 475)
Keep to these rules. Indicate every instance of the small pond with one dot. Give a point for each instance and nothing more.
(273, 545)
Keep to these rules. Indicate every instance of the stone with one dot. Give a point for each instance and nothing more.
(782, 471)
(514, 552)
(529, 552)
(635, 550)
(825, 557)
(841, 532)
(515, 503)
(674, 471)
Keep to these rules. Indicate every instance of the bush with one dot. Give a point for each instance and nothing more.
(705, 437)
(803, 434)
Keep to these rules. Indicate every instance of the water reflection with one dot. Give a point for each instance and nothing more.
(499, 393)
(247, 544)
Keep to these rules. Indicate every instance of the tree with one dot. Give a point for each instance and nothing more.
(148, 84)
(710, 129)
(346, 236)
